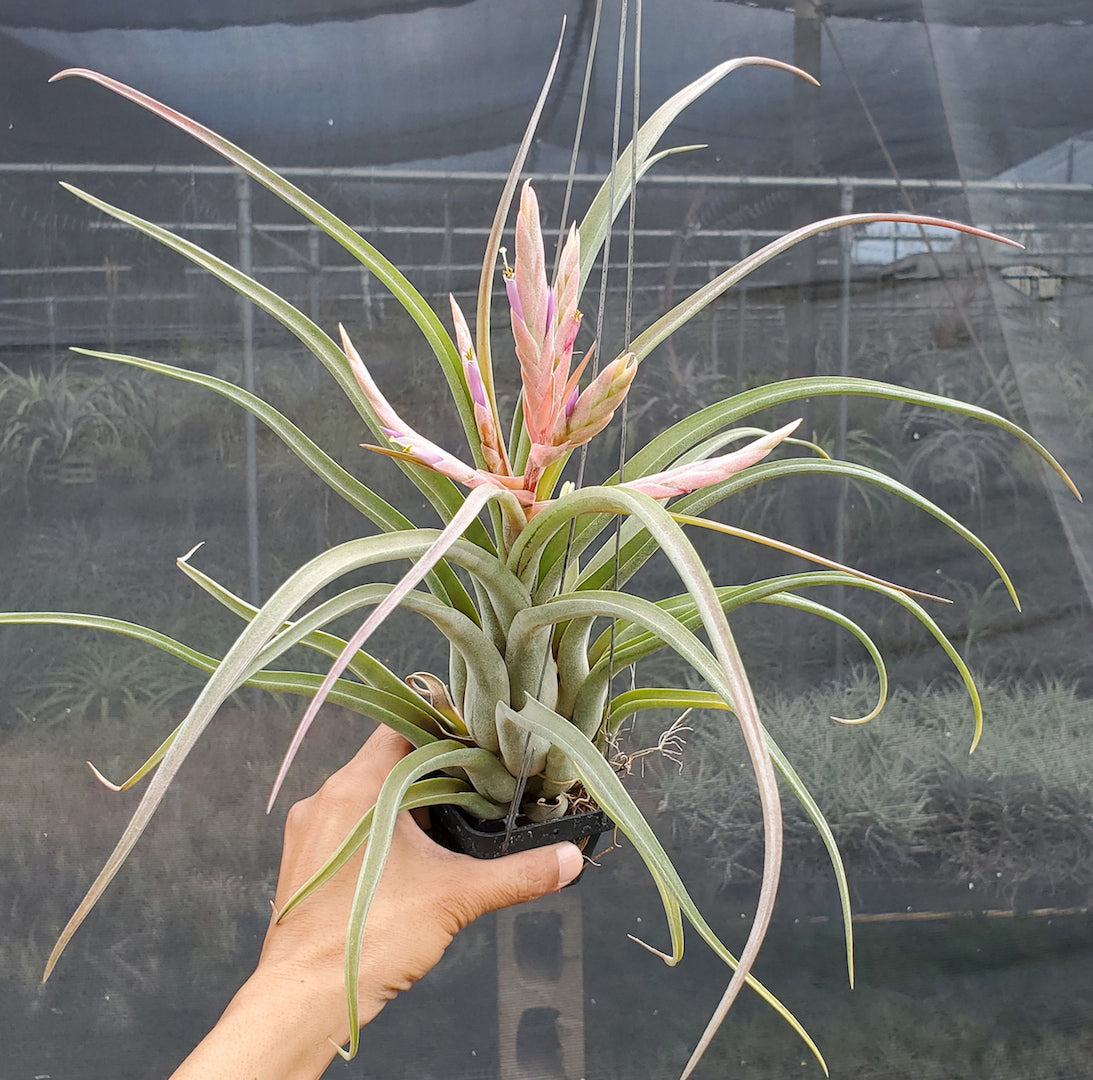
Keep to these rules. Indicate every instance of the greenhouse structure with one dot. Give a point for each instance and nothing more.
(969, 877)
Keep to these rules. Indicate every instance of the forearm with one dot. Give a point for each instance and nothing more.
(273, 1029)
(289, 1017)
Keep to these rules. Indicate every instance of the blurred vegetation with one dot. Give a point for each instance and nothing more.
(162, 469)
(904, 799)
(182, 925)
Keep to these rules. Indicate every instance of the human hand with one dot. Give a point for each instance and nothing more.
(427, 893)
(286, 1019)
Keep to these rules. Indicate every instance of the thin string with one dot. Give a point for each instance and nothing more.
(581, 112)
(631, 225)
(905, 195)
(616, 124)
(627, 331)
(525, 756)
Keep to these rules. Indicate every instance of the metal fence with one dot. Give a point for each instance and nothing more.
(69, 275)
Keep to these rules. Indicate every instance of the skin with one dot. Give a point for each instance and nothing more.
(285, 1020)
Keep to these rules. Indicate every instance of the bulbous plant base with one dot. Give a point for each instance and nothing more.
(457, 831)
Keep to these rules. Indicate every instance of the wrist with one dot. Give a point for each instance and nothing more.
(294, 1023)
(306, 997)
(277, 1027)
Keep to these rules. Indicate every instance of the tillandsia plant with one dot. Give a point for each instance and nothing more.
(524, 576)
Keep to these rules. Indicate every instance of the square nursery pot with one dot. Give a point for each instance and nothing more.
(457, 831)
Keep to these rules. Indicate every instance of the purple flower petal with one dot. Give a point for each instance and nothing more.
(514, 295)
(474, 382)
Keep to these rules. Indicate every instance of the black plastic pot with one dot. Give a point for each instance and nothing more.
(456, 831)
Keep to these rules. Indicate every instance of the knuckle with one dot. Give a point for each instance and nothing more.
(528, 880)
(335, 793)
(299, 813)
(532, 879)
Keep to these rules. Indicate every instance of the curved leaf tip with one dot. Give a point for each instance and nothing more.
(668, 958)
(767, 61)
(68, 72)
(102, 779)
(189, 554)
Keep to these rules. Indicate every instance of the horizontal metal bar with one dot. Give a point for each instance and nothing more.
(445, 268)
(101, 298)
(398, 175)
(423, 230)
(1009, 227)
(50, 270)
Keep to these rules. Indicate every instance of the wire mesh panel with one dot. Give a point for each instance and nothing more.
(970, 877)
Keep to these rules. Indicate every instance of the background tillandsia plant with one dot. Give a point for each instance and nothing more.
(523, 575)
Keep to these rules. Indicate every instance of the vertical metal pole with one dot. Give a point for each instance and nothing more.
(366, 277)
(808, 18)
(315, 270)
(314, 306)
(244, 230)
(51, 317)
(366, 297)
(807, 523)
(801, 312)
(714, 361)
(741, 320)
(314, 289)
(846, 250)
(446, 248)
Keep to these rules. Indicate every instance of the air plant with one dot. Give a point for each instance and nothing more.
(46, 418)
(525, 576)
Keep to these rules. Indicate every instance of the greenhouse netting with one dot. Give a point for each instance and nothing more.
(969, 876)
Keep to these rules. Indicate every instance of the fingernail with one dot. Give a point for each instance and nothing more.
(570, 863)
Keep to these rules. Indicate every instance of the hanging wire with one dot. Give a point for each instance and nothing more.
(627, 327)
(525, 754)
(905, 195)
(581, 111)
(630, 230)
(525, 763)
(605, 265)
(616, 125)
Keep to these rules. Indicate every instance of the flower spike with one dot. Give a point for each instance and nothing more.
(404, 437)
(699, 474)
(545, 322)
(594, 408)
(493, 449)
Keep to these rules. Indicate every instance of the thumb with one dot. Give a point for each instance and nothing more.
(525, 875)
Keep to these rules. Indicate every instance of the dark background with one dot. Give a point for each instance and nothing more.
(973, 874)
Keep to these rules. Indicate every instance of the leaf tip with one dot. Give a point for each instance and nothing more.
(854, 721)
(189, 554)
(345, 1055)
(67, 73)
(55, 952)
(102, 779)
(668, 958)
(767, 61)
